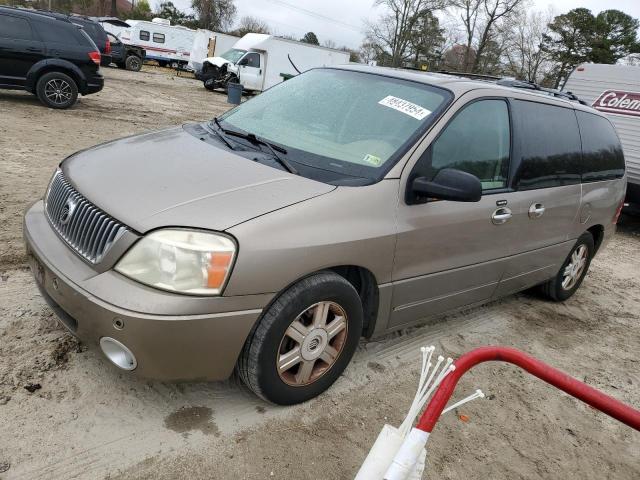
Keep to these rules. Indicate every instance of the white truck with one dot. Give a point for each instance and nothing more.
(260, 61)
(209, 44)
(615, 91)
(167, 44)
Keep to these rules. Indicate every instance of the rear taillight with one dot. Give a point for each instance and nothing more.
(107, 47)
(618, 212)
(95, 56)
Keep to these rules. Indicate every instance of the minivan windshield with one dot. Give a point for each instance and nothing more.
(354, 124)
(233, 55)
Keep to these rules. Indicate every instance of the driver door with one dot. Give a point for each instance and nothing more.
(451, 254)
(250, 71)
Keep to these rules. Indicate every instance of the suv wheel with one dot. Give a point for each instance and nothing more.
(133, 63)
(304, 340)
(572, 272)
(57, 90)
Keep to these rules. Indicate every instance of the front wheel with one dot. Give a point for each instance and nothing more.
(573, 270)
(304, 340)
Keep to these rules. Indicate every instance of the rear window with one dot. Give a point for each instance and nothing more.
(158, 37)
(58, 31)
(144, 35)
(602, 157)
(16, 28)
(549, 146)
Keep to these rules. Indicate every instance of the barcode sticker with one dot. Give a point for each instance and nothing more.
(406, 107)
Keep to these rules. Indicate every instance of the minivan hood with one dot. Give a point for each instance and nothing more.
(172, 178)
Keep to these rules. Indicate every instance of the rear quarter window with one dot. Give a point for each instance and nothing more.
(59, 32)
(602, 157)
(15, 28)
(548, 144)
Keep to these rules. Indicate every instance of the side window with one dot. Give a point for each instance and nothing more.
(476, 141)
(59, 32)
(144, 35)
(252, 60)
(549, 145)
(15, 28)
(158, 37)
(602, 157)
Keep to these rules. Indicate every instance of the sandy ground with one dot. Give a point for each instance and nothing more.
(65, 413)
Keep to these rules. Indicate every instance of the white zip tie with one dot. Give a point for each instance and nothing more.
(478, 394)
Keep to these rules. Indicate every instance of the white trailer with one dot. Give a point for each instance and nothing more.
(615, 91)
(209, 44)
(167, 44)
(261, 61)
(112, 25)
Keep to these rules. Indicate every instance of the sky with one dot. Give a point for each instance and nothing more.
(343, 20)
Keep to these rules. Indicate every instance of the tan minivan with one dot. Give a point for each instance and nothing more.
(345, 202)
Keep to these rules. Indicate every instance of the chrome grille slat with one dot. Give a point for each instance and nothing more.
(89, 231)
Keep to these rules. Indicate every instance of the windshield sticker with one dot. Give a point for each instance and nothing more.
(372, 160)
(406, 107)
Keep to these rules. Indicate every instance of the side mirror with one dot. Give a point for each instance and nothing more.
(448, 184)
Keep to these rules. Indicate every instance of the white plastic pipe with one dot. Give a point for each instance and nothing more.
(404, 463)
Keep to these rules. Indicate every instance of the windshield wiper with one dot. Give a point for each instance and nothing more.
(222, 134)
(260, 141)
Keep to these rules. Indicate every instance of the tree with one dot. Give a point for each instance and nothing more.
(169, 11)
(569, 41)
(494, 12)
(216, 15)
(427, 39)
(250, 24)
(114, 8)
(615, 37)
(141, 11)
(310, 38)
(396, 28)
(469, 15)
(329, 44)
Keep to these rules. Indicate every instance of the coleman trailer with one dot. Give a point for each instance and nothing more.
(615, 91)
(260, 61)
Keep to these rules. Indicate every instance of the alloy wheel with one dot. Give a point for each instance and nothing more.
(312, 344)
(573, 271)
(58, 91)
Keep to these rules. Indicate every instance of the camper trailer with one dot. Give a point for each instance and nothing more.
(260, 61)
(209, 44)
(167, 44)
(615, 91)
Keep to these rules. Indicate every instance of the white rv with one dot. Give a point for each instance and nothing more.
(167, 44)
(261, 61)
(614, 90)
(209, 44)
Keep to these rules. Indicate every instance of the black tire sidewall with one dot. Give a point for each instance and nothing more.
(128, 61)
(560, 293)
(42, 81)
(337, 290)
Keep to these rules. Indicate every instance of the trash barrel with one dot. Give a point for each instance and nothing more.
(234, 93)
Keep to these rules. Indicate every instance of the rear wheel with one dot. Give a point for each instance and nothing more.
(133, 63)
(304, 340)
(573, 270)
(57, 90)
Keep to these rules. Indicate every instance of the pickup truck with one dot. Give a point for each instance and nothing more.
(126, 56)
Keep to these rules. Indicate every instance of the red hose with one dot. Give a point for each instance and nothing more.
(595, 398)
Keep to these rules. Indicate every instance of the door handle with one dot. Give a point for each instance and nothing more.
(536, 210)
(501, 216)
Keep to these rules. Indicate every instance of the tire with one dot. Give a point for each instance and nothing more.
(322, 351)
(210, 84)
(133, 63)
(57, 90)
(175, 65)
(564, 285)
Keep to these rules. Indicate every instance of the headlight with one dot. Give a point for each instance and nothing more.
(183, 261)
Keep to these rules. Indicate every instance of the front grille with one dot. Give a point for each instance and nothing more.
(86, 228)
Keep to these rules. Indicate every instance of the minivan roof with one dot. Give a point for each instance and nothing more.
(459, 85)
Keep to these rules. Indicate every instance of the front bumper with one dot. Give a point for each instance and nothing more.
(171, 346)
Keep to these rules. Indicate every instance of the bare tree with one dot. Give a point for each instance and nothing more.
(494, 11)
(329, 44)
(469, 14)
(395, 29)
(215, 15)
(524, 56)
(249, 24)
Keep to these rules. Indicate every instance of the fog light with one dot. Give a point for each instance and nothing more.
(119, 355)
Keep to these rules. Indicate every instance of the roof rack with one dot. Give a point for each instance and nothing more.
(513, 83)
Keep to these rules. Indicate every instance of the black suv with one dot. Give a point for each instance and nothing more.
(48, 56)
(97, 34)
